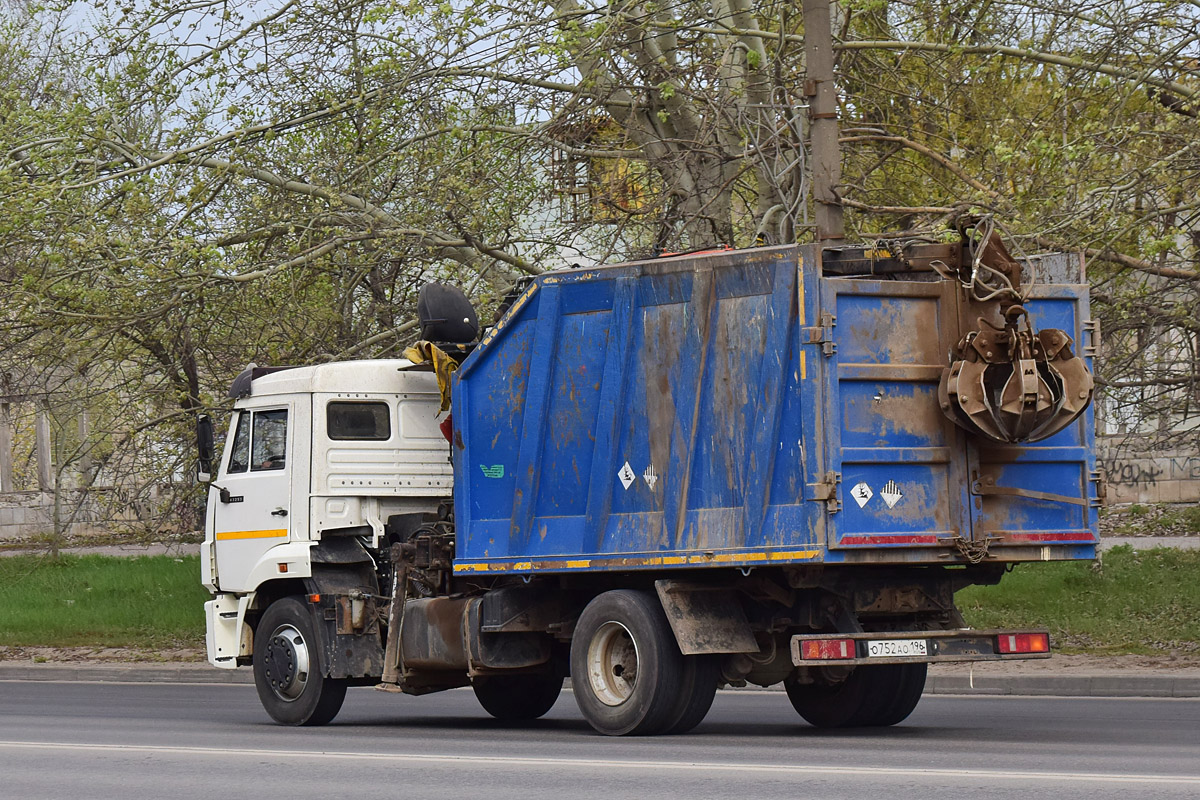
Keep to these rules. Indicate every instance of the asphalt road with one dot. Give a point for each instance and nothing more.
(107, 740)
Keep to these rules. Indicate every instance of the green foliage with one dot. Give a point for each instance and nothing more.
(1130, 601)
(146, 602)
(185, 190)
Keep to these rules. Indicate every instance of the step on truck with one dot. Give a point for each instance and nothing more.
(658, 478)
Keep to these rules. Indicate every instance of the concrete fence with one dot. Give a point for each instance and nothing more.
(30, 514)
(92, 512)
(1138, 473)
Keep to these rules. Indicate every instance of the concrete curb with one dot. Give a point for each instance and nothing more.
(1113, 685)
(123, 673)
(1151, 542)
(1109, 685)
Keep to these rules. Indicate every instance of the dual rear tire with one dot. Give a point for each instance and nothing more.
(871, 696)
(627, 673)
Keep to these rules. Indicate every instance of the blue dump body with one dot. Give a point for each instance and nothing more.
(739, 409)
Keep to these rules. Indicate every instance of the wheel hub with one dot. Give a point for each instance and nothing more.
(612, 663)
(287, 663)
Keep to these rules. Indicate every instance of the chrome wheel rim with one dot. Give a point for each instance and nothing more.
(287, 663)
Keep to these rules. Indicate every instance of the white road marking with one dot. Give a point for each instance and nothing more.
(597, 763)
(776, 691)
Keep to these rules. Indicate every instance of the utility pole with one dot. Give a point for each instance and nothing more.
(6, 447)
(45, 458)
(821, 91)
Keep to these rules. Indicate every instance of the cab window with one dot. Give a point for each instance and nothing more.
(239, 454)
(362, 421)
(268, 449)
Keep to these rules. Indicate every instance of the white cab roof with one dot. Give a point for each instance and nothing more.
(378, 376)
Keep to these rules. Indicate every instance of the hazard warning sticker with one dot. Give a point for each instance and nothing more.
(891, 494)
(626, 475)
(861, 493)
(650, 476)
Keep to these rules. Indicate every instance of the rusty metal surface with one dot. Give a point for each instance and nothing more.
(347, 610)
(902, 472)
(487, 652)
(891, 258)
(1007, 477)
(706, 619)
(724, 409)
(432, 634)
(357, 615)
(649, 421)
(1009, 381)
(1015, 384)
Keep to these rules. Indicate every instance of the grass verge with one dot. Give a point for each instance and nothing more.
(1144, 602)
(1131, 601)
(104, 601)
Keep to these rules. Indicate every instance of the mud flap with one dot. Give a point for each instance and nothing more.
(348, 625)
(705, 619)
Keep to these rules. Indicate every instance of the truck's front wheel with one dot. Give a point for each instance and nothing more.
(287, 673)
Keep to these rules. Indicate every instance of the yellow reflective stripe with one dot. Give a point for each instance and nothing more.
(652, 561)
(802, 316)
(476, 567)
(227, 535)
(800, 292)
(799, 555)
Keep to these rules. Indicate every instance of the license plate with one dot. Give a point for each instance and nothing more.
(897, 648)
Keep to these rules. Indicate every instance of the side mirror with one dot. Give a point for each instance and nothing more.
(204, 446)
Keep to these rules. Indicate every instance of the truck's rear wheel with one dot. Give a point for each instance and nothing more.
(287, 673)
(518, 697)
(697, 691)
(871, 696)
(896, 696)
(626, 670)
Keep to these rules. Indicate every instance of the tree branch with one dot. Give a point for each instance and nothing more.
(1113, 257)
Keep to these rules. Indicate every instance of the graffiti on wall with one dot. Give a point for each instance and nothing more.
(1143, 472)
(1132, 473)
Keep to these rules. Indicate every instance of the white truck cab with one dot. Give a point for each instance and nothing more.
(310, 450)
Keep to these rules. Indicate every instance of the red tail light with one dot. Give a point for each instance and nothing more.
(827, 648)
(1023, 643)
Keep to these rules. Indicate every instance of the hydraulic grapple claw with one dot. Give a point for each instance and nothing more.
(1013, 385)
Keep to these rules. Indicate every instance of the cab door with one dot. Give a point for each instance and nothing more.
(251, 499)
